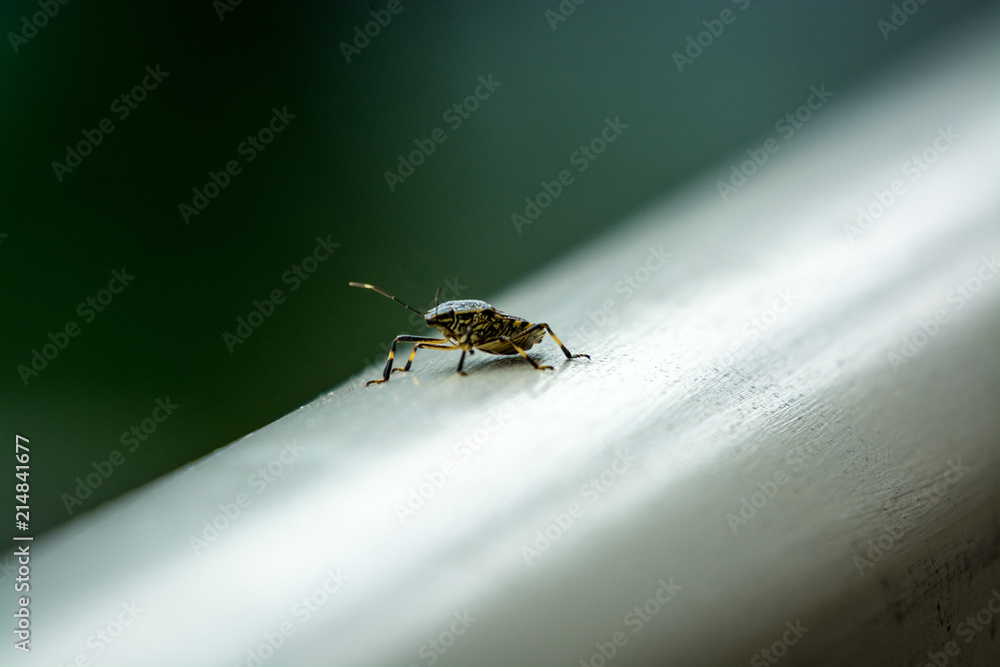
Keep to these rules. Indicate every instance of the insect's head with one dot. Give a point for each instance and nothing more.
(441, 317)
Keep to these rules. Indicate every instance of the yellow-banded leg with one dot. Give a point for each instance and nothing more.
(421, 341)
(536, 327)
(558, 342)
(525, 354)
(442, 345)
(533, 328)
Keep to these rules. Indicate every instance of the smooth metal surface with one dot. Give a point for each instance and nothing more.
(634, 464)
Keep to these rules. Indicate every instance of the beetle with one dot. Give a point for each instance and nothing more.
(469, 325)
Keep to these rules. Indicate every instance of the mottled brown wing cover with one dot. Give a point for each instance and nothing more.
(487, 336)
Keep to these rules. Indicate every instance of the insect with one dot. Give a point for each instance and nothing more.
(469, 325)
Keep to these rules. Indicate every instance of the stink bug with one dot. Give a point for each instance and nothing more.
(469, 325)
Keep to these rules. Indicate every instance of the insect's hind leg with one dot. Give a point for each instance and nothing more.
(536, 327)
(525, 354)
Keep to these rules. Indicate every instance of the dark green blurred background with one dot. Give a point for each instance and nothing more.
(323, 176)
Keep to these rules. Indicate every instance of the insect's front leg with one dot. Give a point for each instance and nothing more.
(392, 353)
(439, 345)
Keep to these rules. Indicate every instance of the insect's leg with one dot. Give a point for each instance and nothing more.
(409, 361)
(535, 327)
(525, 354)
(464, 340)
(392, 353)
(429, 346)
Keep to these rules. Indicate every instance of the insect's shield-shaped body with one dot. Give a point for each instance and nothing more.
(482, 326)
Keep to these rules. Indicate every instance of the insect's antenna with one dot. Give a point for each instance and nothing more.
(437, 298)
(384, 293)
